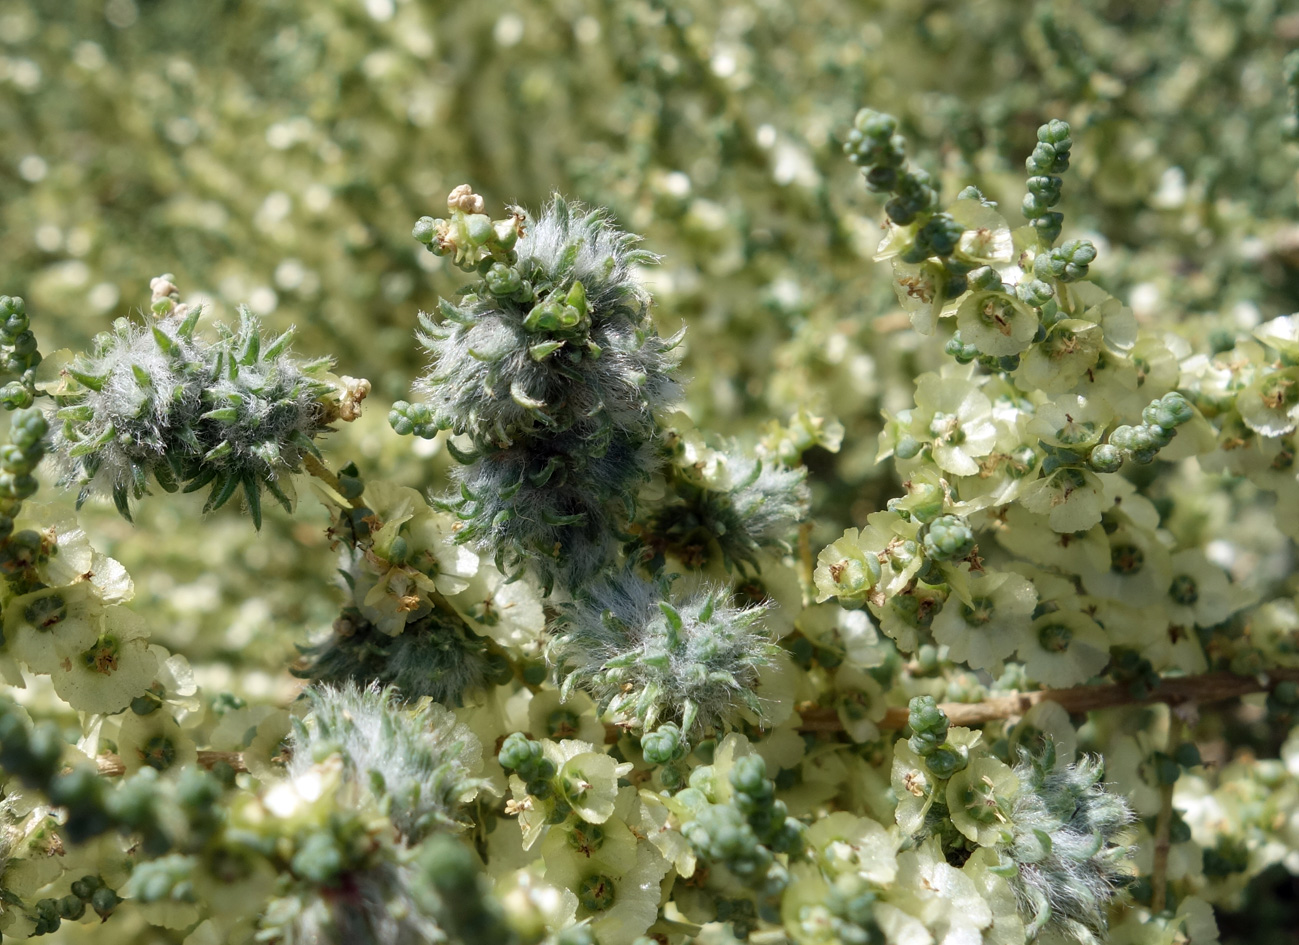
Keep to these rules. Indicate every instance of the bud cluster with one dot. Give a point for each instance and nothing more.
(1050, 158)
(552, 368)
(646, 657)
(157, 404)
(18, 354)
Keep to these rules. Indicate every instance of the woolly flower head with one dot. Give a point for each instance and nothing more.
(552, 506)
(741, 502)
(1070, 846)
(435, 894)
(435, 656)
(553, 369)
(646, 658)
(155, 402)
(418, 762)
(558, 339)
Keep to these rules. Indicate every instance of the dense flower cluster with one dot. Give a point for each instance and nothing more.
(553, 370)
(153, 404)
(597, 673)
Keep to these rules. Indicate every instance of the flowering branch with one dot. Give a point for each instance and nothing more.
(1204, 688)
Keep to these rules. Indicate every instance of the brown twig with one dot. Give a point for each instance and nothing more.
(110, 765)
(1208, 687)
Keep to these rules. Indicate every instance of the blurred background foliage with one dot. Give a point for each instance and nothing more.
(277, 152)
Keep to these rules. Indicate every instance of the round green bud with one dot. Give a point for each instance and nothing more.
(664, 745)
(83, 888)
(944, 761)
(1057, 133)
(426, 229)
(16, 396)
(1035, 292)
(1105, 458)
(985, 279)
(503, 280)
(948, 538)
(104, 900)
(749, 776)
(1176, 408)
(927, 721)
(519, 753)
(907, 447)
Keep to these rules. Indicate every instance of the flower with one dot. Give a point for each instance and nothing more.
(982, 621)
(979, 798)
(1139, 571)
(1063, 648)
(154, 741)
(116, 667)
(955, 417)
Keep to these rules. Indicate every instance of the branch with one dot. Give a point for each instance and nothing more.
(1205, 688)
(1208, 687)
(110, 765)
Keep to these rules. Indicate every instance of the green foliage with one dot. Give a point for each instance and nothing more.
(158, 406)
(593, 671)
(646, 656)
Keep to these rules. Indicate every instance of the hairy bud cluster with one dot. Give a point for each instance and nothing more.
(417, 762)
(157, 404)
(1070, 848)
(645, 658)
(552, 368)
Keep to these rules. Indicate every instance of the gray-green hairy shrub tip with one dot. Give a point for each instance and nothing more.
(434, 656)
(646, 657)
(756, 510)
(553, 369)
(1071, 848)
(156, 403)
(415, 761)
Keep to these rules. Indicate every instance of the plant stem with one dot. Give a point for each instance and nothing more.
(111, 766)
(318, 469)
(1208, 687)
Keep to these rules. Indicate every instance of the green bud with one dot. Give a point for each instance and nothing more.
(945, 760)
(664, 745)
(948, 538)
(1105, 458)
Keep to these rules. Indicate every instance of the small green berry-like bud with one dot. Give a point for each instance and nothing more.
(959, 350)
(1057, 133)
(85, 887)
(944, 761)
(1187, 755)
(519, 753)
(503, 280)
(1049, 226)
(15, 396)
(664, 745)
(104, 900)
(426, 229)
(1035, 292)
(928, 723)
(1045, 189)
(1105, 458)
(948, 538)
(1175, 409)
(749, 776)
(985, 278)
